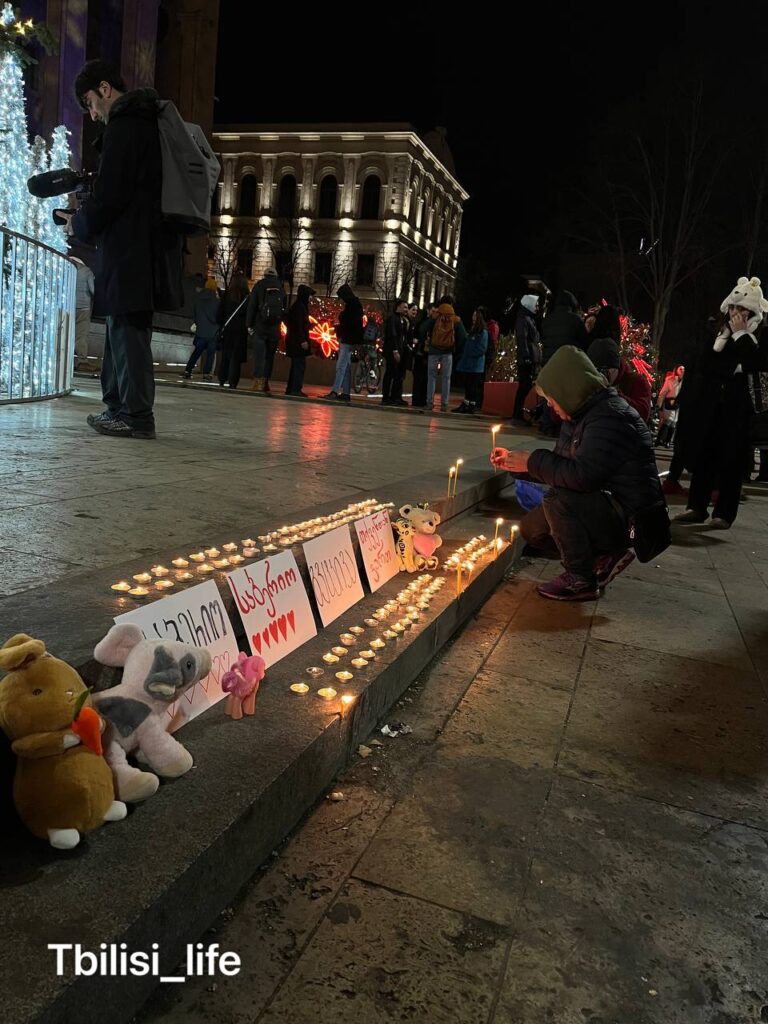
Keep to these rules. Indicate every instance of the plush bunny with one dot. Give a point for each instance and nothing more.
(62, 786)
(155, 674)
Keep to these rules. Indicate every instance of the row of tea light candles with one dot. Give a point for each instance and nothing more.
(478, 547)
(415, 598)
(210, 559)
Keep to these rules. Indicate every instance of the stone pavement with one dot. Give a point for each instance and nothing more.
(575, 831)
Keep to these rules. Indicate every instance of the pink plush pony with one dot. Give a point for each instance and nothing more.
(242, 685)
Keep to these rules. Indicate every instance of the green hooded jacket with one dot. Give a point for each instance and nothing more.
(570, 379)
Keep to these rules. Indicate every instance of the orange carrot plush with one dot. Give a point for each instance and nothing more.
(87, 725)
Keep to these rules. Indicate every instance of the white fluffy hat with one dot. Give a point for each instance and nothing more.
(746, 293)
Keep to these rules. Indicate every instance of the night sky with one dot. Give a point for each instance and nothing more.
(528, 99)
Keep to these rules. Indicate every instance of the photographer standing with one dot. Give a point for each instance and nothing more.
(140, 262)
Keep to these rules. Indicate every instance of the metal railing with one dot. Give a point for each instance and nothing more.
(37, 319)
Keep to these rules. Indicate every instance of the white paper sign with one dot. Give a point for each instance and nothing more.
(333, 573)
(377, 545)
(196, 616)
(273, 605)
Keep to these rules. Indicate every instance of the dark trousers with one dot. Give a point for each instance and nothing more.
(207, 345)
(127, 374)
(419, 396)
(296, 375)
(524, 385)
(473, 388)
(265, 341)
(392, 388)
(719, 465)
(583, 526)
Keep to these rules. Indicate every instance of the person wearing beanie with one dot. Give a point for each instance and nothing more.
(528, 347)
(266, 308)
(719, 408)
(601, 473)
(636, 389)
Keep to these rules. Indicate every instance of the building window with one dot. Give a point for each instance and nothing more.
(329, 190)
(371, 198)
(283, 264)
(247, 206)
(366, 266)
(286, 197)
(245, 261)
(323, 267)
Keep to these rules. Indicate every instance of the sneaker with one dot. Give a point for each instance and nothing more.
(608, 567)
(187, 375)
(102, 417)
(569, 586)
(719, 524)
(673, 487)
(332, 395)
(342, 398)
(208, 377)
(114, 427)
(461, 408)
(691, 516)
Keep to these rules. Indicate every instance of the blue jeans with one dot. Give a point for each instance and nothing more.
(343, 381)
(446, 361)
(207, 345)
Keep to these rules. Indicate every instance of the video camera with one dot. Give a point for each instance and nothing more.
(59, 183)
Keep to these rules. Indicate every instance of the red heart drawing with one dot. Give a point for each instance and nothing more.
(256, 641)
(291, 616)
(283, 626)
(171, 711)
(265, 637)
(190, 693)
(273, 631)
(219, 665)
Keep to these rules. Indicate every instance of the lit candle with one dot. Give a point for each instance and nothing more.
(198, 556)
(344, 677)
(459, 462)
(267, 547)
(205, 567)
(159, 570)
(370, 622)
(499, 546)
(347, 639)
(347, 699)
(212, 552)
(247, 553)
(499, 523)
(143, 577)
(163, 584)
(185, 576)
(359, 662)
(340, 652)
(122, 587)
(512, 534)
(494, 432)
(237, 559)
(221, 563)
(248, 543)
(326, 693)
(390, 634)
(357, 630)
(451, 473)
(180, 563)
(458, 580)
(414, 616)
(377, 644)
(229, 548)
(138, 592)
(368, 655)
(330, 659)
(405, 623)
(424, 605)
(380, 613)
(315, 671)
(397, 627)
(300, 688)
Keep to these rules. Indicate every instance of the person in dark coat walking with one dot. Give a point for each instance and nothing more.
(396, 331)
(207, 317)
(601, 473)
(714, 443)
(297, 343)
(528, 351)
(139, 257)
(350, 334)
(234, 332)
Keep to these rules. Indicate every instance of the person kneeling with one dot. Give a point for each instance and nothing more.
(600, 473)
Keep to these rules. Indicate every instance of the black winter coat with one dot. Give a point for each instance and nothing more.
(606, 447)
(396, 331)
(139, 256)
(351, 318)
(297, 325)
(526, 338)
(563, 326)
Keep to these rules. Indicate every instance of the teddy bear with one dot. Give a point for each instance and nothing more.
(155, 674)
(417, 539)
(62, 786)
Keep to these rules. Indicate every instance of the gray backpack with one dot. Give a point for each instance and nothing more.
(190, 172)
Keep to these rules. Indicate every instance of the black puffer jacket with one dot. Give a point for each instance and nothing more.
(139, 256)
(605, 447)
(351, 318)
(563, 326)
